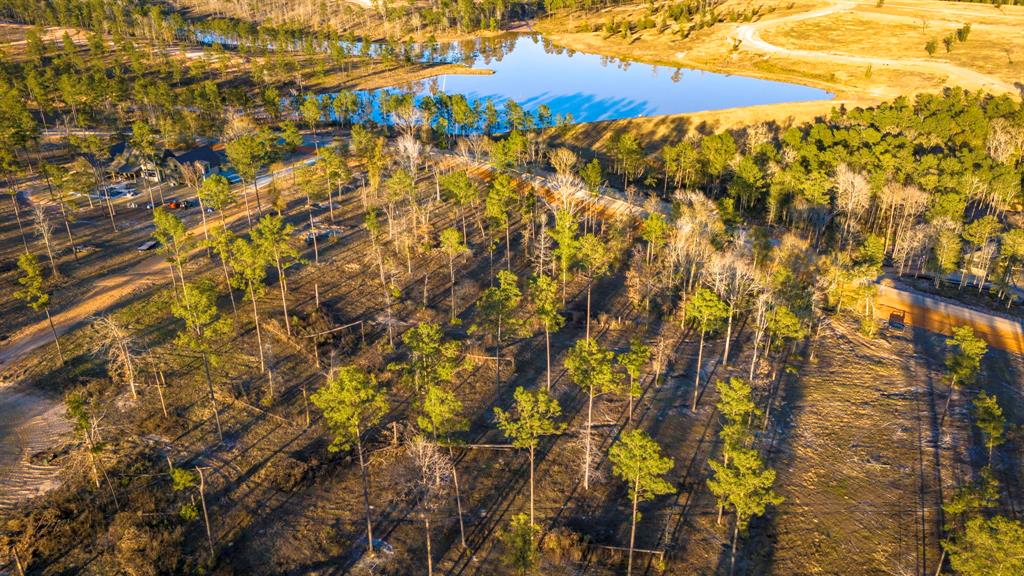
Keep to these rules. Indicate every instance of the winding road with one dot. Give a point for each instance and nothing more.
(750, 37)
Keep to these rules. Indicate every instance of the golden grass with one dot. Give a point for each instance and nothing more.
(863, 53)
(989, 48)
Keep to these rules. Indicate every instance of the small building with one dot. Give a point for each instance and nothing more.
(210, 157)
(127, 165)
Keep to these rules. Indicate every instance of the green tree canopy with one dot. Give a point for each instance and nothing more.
(964, 357)
(989, 547)
(533, 417)
(31, 280)
(432, 359)
(706, 311)
(441, 414)
(216, 192)
(744, 485)
(351, 402)
(988, 415)
(636, 459)
(520, 540)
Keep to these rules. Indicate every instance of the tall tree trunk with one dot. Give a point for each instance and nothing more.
(945, 409)
(728, 336)
(590, 425)
(284, 301)
(110, 208)
(430, 560)
(366, 493)
(753, 358)
(451, 270)
(213, 397)
(732, 552)
(312, 232)
(256, 321)
(629, 415)
(231, 292)
(259, 205)
(696, 377)
(67, 227)
(17, 214)
(248, 211)
(458, 497)
(49, 254)
(206, 230)
(547, 350)
(632, 529)
(590, 284)
(531, 485)
(56, 340)
(206, 515)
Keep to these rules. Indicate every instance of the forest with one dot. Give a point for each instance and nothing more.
(381, 332)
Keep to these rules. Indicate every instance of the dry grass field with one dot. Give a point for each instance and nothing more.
(861, 52)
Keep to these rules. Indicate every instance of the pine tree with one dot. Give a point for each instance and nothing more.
(273, 238)
(544, 297)
(432, 359)
(33, 293)
(499, 206)
(532, 418)
(636, 459)
(745, 487)
(595, 258)
(520, 540)
(352, 403)
(452, 245)
(170, 231)
(989, 547)
(204, 331)
(706, 312)
(215, 193)
(496, 305)
(464, 192)
(564, 234)
(250, 270)
(633, 361)
(592, 369)
(440, 418)
(963, 360)
(988, 416)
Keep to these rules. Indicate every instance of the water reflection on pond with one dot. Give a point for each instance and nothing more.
(533, 72)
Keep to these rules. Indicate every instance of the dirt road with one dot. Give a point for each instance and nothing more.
(940, 316)
(750, 36)
(108, 291)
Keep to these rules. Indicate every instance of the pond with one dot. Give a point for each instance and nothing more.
(533, 72)
(591, 88)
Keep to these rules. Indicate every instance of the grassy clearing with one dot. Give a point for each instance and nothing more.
(895, 31)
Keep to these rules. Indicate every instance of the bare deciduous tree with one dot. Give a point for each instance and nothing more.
(853, 195)
(118, 344)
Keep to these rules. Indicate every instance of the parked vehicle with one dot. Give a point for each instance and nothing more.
(897, 320)
(324, 234)
(148, 245)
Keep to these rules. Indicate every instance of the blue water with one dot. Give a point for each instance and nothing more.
(591, 88)
(594, 88)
